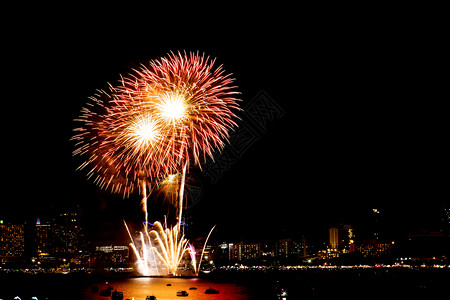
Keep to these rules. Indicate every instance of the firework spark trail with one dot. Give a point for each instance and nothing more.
(203, 250)
(173, 246)
(180, 207)
(172, 243)
(144, 203)
(192, 254)
(147, 261)
(142, 266)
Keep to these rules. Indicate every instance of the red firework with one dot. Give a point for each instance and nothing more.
(175, 111)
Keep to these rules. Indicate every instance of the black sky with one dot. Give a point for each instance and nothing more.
(365, 122)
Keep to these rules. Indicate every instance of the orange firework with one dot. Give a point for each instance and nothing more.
(173, 112)
(194, 101)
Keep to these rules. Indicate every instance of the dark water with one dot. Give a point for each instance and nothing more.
(383, 283)
(239, 285)
(79, 287)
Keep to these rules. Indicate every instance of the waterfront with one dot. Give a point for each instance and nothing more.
(239, 284)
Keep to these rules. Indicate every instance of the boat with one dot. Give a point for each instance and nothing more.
(169, 284)
(182, 294)
(117, 295)
(150, 298)
(282, 295)
(211, 291)
(192, 288)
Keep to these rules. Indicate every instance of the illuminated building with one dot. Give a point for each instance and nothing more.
(42, 239)
(112, 253)
(342, 238)
(67, 232)
(446, 221)
(376, 223)
(224, 251)
(56, 236)
(267, 250)
(43, 242)
(290, 248)
(373, 248)
(264, 252)
(334, 237)
(283, 247)
(245, 251)
(328, 254)
(12, 242)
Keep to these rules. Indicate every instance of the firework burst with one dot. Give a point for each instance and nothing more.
(173, 112)
(195, 102)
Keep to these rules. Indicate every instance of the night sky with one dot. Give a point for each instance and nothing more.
(364, 123)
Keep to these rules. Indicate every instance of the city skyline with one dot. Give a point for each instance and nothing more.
(60, 240)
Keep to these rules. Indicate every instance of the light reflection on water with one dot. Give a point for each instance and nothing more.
(140, 288)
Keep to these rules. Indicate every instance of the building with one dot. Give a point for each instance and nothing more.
(334, 237)
(12, 242)
(48, 239)
(245, 251)
(43, 239)
(342, 238)
(269, 252)
(328, 254)
(374, 248)
(289, 248)
(67, 235)
(445, 221)
(376, 225)
(224, 252)
(112, 253)
(57, 236)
